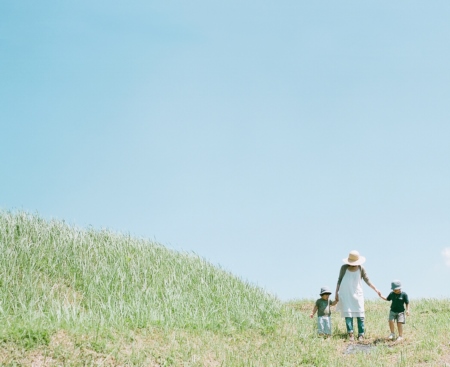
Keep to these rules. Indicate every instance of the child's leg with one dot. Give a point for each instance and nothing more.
(400, 321)
(391, 326)
(392, 317)
(400, 328)
(327, 325)
(320, 326)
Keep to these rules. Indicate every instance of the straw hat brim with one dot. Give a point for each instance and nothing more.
(360, 261)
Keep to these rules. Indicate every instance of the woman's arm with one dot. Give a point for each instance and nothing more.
(375, 289)
(368, 282)
(341, 275)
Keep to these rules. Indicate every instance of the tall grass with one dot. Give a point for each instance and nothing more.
(83, 297)
(54, 275)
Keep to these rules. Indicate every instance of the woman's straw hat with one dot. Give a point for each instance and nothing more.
(354, 258)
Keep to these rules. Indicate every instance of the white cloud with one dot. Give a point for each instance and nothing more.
(446, 254)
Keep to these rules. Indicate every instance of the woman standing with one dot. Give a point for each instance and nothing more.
(349, 292)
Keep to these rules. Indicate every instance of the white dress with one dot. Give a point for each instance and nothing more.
(351, 297)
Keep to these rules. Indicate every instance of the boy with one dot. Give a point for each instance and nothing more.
(322, 307)
(400, 303)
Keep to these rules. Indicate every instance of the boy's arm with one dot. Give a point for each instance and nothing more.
(313, 311)
(334, 302)
(407, 305)
(382, 297)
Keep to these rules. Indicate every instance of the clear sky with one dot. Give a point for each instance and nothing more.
(269, 137)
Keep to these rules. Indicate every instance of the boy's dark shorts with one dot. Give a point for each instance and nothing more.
(398, 316)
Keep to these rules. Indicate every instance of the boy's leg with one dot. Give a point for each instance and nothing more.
(327, 325)
(392, 318)
(400, 321)
(391, 326)
(400, 328)
(319, 326)
(322, 325)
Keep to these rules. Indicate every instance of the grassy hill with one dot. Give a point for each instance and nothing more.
(83, 297)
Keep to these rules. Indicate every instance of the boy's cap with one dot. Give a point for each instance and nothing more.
(325, 290)
(396, 284)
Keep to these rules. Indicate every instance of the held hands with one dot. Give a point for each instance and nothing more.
(377, 291)
(380, 295)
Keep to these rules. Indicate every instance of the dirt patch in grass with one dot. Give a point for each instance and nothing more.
(445, 359)
(37, 359)
(61, 339)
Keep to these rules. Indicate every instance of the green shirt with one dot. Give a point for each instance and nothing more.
(323, 307)
(398, 301)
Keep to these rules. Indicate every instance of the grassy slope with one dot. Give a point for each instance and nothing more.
(83, 297)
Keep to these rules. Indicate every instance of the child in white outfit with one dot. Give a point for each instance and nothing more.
(322, 307)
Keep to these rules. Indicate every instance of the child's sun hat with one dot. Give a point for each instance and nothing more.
(354, 258)
(396, 284)
(325, 290)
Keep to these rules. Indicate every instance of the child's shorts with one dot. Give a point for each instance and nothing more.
(324, 325)
(398, 316)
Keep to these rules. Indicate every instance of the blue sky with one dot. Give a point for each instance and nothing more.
(269, 137)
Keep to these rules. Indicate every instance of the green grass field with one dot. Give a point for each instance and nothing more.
(85, 297)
